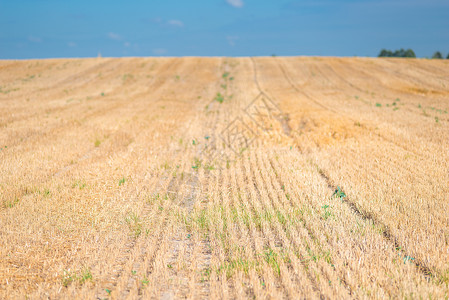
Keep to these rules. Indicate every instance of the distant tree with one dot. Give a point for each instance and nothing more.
(409, 53)
(385, 53)
(398, 53)
(437, 55)
(447, 57)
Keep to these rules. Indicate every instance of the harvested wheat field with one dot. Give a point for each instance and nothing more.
(284, 178)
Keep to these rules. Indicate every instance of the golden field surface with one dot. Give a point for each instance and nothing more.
(268, 177)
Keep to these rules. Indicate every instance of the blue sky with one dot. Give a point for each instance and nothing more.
(84, 28)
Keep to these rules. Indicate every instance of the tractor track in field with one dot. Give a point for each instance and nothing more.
(309, 275)
(245, 178)
(425, 270)
(386, 232)
(309, 232)
(269, 188)
(283, 117)
(190, 199)
(286, 131)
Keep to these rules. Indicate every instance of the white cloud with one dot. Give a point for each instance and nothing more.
(71, 44)
(159, 51)
(156, 20)
(175, 23)
(35, 39)
(127, 44)
(232, 39)
(235, 3)
(114, 36)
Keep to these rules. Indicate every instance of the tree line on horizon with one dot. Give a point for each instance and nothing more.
(407, 53)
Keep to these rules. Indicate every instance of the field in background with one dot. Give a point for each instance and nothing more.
(224, 178)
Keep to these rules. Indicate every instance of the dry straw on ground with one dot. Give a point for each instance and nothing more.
(169, 178)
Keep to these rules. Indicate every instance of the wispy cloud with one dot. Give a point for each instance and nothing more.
(114, 36)
(175, 23)
(232, 39)
(71, 44)
(235, 3)
(35, 39)
(159, 51)
(155, 20)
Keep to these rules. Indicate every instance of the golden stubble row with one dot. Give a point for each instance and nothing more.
(147, 214)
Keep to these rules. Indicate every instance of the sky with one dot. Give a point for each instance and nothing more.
(88, 28)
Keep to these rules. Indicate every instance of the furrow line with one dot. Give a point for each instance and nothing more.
(317, 234)
(310, 237)
(273, 203)
(425, 270)
(271, 240)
